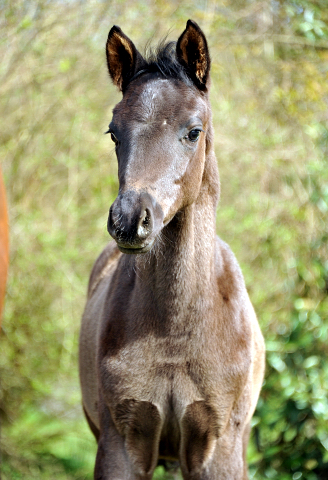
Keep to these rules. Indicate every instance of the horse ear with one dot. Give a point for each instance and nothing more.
(193, 54)
(123, 59)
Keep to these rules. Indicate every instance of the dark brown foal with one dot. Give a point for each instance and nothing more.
(171, 354)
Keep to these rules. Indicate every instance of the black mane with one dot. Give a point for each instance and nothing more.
(164, 61)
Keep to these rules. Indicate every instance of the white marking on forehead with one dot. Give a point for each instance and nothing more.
(150, 92)
(164, 122)
(151, 96)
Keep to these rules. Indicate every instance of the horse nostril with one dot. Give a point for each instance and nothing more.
(110, 220)
(144, 227)
(146, 220)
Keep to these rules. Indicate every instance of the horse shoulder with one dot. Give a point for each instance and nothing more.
(231, 286)
(99, 282)
(240, 318)
(235, 312)
(230, 280)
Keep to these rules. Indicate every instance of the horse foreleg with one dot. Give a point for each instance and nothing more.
(210, 451)
(112, 462)
(128, 448)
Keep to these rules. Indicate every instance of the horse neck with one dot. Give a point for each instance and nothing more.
(180, 268)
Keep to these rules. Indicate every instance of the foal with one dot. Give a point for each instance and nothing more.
(171, 354)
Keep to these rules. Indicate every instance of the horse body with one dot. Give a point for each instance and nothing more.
(171, 355)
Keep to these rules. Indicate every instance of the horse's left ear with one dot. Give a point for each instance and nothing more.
(193, 54)
(123, 59)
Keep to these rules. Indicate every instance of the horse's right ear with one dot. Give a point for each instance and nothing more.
(123, 59)
(192, 53)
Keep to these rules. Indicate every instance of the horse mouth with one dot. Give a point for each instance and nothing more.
(135, 250)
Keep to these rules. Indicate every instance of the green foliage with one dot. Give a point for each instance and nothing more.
(269, 97)
(43, 446)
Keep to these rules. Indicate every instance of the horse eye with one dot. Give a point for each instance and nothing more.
(193, 135)
(112, 136)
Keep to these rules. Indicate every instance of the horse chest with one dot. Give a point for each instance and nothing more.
(171, 375)
(179, 395)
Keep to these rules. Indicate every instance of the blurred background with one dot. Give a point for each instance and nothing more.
(269, 97)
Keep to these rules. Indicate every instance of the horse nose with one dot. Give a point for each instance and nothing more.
(131, 219)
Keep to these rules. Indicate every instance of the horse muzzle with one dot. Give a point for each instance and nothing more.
(134, 220)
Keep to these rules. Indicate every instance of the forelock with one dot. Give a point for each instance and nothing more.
(163, 61)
